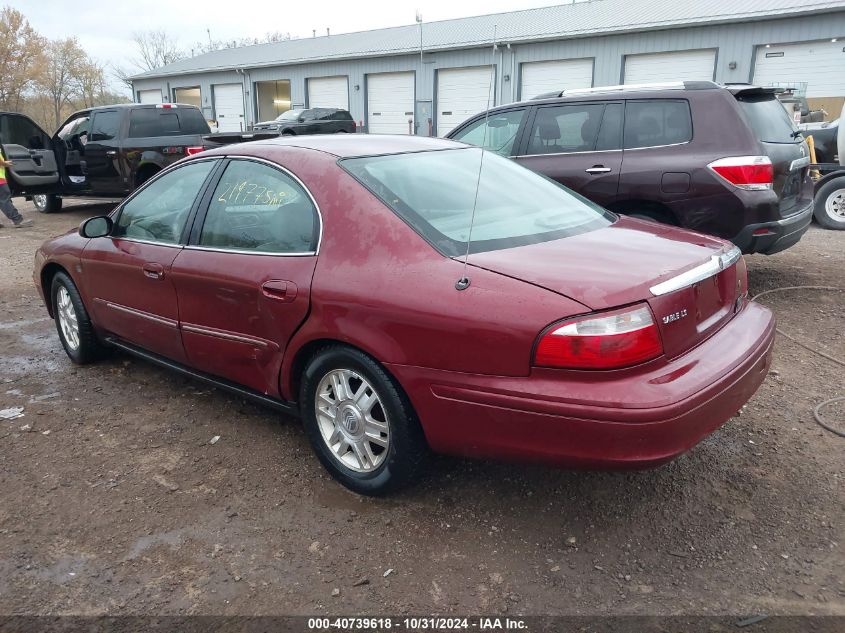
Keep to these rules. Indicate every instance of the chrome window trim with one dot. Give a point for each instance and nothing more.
(588, 151)
(139, 241)
(217, 249)
(634, 149)
(296, 179)
(713, 266)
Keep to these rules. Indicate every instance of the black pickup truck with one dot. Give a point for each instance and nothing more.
(104, 151)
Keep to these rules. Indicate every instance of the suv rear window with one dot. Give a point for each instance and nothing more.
(656, 122)
(435, 192)
(768, 119)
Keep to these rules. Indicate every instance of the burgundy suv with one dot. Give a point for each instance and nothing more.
(722, 160)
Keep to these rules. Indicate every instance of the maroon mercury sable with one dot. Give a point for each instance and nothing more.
(326, 277)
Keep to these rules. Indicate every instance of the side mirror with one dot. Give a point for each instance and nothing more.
(301, 119)
(98, 226)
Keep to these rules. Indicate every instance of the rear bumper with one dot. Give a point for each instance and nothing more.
(779, 235)
(632, 418)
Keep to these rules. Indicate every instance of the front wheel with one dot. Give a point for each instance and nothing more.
(830, 204)
(72, 321)
(360, 424)
(47, 202)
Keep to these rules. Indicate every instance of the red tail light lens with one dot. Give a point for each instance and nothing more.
(191, 151)
(746, 172)
(607, 341)
(354, 126)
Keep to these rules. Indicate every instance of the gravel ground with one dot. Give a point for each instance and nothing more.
(114, 501)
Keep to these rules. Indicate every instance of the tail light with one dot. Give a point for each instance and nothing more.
(354, 126)
(191, 151)
(606, 341)
(753, 173)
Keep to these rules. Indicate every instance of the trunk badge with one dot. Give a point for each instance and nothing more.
(675, 316)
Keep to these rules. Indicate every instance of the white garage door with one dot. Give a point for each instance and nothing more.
(229, 107)
(677, 66)
(328, 92)
(390, 102)
(149, 96)
(820, 64)
(541, 77)
(461, 92)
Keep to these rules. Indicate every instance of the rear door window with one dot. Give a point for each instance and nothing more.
(768, 119)
(610, 133)
(565, 128)
(192, 121)
(656, 122)
(497, 133)
(256, 208)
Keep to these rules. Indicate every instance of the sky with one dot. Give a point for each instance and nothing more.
(105, 28)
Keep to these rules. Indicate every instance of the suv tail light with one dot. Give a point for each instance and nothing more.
(606, 341)
(753, 173)
(354, 126)
(190, 151)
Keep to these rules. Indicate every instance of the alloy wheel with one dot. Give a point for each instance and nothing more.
(352, 420)
(40, 201)
(834, 206)
(67, 318)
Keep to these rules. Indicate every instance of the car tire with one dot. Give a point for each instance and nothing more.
(47, 202)
(341, 132)
(288, 133)
(829, 204)
(360, 402)
(73, 324)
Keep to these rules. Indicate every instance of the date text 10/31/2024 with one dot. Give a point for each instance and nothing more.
(417, 624)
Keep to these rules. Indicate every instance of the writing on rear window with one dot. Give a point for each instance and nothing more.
(245, 192)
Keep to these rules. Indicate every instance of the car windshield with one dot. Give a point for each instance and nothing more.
(290, 115)
(435, 191)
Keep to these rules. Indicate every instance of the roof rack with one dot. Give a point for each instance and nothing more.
(666, 85)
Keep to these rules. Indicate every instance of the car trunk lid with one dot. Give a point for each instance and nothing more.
(626, 263)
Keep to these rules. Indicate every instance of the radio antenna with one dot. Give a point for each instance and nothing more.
(463, 282)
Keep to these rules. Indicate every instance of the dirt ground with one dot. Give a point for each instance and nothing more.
(114, 501)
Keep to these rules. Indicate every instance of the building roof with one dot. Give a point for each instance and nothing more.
(581, 19)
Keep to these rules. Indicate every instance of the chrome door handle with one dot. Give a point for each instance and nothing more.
(280, 290)
(153, 270)
(111, 153)
(598, 170)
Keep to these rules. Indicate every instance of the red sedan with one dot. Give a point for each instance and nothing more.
(325, 276)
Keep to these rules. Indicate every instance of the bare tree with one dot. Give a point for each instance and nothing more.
(22, 55)
(90, 84)
(60, 78)
(155, 49)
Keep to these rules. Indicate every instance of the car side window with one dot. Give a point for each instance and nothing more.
(258, 208)
(501, 127)
(655, 122)
(20, 130)
(610, 132)
(158, 212)
(106, 125)
(565, 128)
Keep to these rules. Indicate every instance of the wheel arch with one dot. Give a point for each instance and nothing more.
(821, 182)
(647, 207)
(47, 273)
(294, 364)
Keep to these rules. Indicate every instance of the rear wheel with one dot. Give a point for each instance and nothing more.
(359, 422)
(47, 202)
(287, 133)
(72, 321)
(830, 204)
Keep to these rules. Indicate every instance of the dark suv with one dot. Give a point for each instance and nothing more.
(310, 121)
(103, 151)
(722, 160)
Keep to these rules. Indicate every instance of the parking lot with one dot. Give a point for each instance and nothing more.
(115, 500)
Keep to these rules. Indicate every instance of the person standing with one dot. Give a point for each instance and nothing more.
(6, 204)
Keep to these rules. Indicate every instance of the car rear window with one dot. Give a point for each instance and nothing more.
(768, 119)
(435, 192)
(144, 122)
(656, 122)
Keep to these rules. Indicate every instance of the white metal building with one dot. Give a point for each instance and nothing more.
(393, 84)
